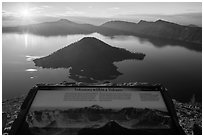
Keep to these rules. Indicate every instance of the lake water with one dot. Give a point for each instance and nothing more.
(178, 68)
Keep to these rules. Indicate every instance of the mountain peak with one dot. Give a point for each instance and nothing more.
(117, 22)
(164, 22)
(142, 21)
(92, 42)
(65, 21)
(89, 38)
(167, 23)
(161, 21)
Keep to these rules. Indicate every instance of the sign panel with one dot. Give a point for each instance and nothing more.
(113, 98)
(68, 110)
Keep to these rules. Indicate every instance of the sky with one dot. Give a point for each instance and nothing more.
(35, 12)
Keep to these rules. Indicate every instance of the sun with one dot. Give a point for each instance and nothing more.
(25, 13)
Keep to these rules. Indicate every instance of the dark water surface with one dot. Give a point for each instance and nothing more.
(178, 66)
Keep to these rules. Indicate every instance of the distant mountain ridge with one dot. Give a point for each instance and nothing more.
(158, 29)
(60, 27)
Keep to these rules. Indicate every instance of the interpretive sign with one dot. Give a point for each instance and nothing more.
(99, 110)
(110, 98)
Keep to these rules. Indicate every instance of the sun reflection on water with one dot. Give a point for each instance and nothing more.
(26, 40)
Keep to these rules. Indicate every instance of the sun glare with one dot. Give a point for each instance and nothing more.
(25, 13)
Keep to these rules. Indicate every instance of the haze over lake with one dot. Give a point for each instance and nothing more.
(177, 67)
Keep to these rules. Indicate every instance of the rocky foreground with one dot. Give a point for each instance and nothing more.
(189, 114)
